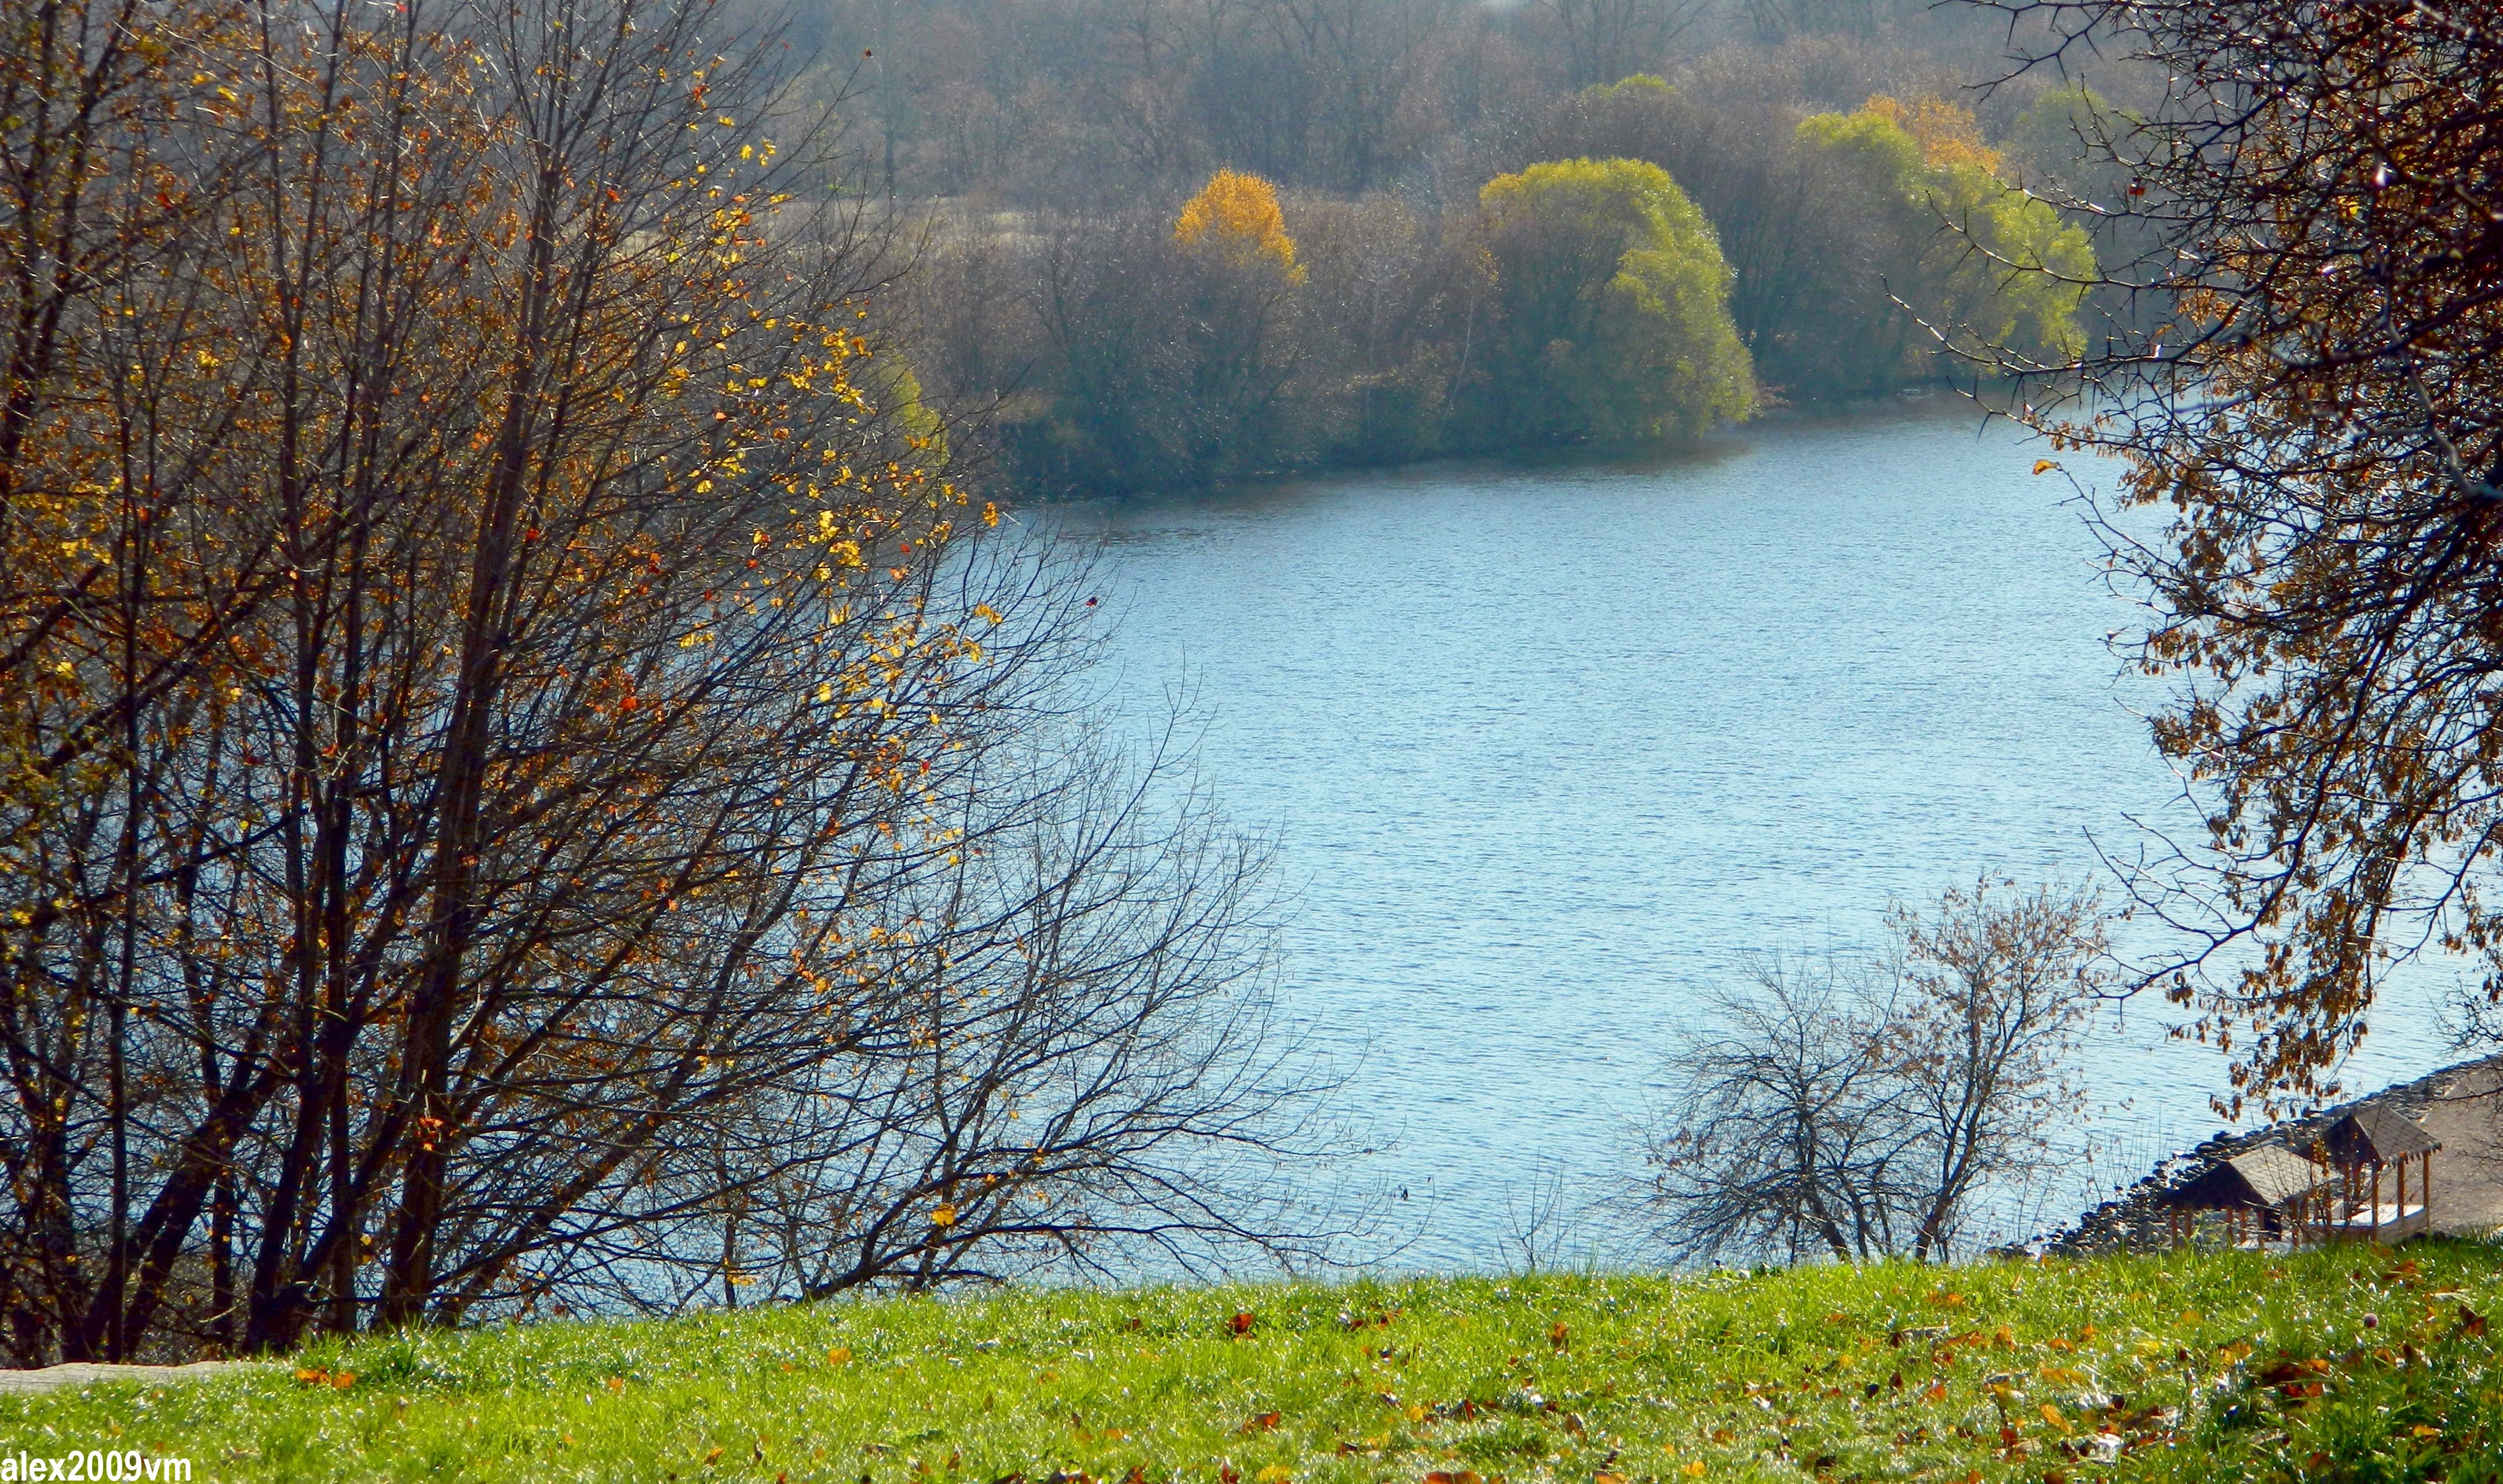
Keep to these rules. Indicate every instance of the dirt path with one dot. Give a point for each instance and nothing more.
(20, 1383)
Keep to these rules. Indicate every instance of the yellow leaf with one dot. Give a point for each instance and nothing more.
(1693, 1471)
(841, 1355)
(2044, 465)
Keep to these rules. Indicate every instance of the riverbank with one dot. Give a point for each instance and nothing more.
(2349, 1362)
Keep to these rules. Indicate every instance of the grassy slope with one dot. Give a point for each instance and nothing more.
(1780, 1377)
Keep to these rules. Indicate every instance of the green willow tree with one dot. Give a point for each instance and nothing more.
(1992, 269)
(1610, 308)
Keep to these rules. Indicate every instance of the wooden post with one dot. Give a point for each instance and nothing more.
(2377, 1202)
(2403, 1187)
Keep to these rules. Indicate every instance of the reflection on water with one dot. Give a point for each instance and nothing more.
(1547, 753)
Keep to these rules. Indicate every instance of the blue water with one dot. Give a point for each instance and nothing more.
(1547, 756)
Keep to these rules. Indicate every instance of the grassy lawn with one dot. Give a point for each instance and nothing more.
(2344, 1365)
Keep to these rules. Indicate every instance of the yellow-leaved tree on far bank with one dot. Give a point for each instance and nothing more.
(1235, 346)
(1236, 216)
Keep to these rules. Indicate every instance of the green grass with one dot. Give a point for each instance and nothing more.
(2220, 1366)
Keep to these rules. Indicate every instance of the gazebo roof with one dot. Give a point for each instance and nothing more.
(2378, 1134)
(2266, 1175)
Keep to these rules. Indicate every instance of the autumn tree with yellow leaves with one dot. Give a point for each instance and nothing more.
(1236, 217)
(520, 762)
(1173, 341)
(1239, 298)
(2306, 416)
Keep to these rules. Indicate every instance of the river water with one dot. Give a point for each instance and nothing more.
(1548, 755)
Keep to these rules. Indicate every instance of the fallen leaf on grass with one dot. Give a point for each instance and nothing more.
(1240, 1324)
(1262, 1422)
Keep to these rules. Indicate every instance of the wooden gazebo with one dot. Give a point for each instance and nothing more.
(2350, 1184)
(2366, 1147)
(2266, 1194)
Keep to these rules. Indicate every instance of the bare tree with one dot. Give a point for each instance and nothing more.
(1997, 984)
(1859, 1112)
(534, 718)
(1606, 40)
(1538, 1222)
(1786, 1134)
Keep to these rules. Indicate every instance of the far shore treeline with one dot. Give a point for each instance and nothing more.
(1636, 270)
(1745, 218)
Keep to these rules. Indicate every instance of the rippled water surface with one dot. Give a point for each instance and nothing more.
(1547, 755)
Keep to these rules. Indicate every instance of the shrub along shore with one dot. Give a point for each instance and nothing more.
(2350, 1362)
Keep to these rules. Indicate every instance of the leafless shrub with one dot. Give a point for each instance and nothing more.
(1864, 1111)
